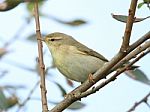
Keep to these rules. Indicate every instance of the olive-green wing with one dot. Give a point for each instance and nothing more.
(89, 51)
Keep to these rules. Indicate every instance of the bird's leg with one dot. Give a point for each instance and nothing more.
(90, 78)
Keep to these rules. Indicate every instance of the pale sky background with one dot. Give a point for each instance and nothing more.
(102, 33)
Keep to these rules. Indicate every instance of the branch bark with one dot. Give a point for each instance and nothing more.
(128, 29)
(105, 70)
(132, 54)
(101, 73)
(112, 78)
(143, 100)
(40, 60)
(28, 97)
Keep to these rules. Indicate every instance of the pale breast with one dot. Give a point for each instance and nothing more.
(74, 64)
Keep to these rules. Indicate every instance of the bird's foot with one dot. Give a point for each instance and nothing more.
(90, 78)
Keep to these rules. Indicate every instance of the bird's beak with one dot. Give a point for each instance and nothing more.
(42, 39)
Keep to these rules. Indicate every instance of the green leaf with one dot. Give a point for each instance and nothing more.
(123, 18)
(76, 22)
(12, 87)
(12, 101)
(76, 105)
(63, 91)
(146, 1)
(3, 101)
(138, 75)
(140, 4)
(9, 4)
(6, 103)
(30, 6)
(33, 38)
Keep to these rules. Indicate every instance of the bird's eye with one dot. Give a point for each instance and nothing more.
(52, 39)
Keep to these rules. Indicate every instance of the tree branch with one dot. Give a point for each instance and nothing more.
(101, 73)
(140, 41)
(41, 63)
(105, 70)
(143, 100)
(28, 97)
(112, 78)
(132, 54)
(128, 29)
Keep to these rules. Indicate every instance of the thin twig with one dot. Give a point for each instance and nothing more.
(128, 29)
(101, 73)
(41, 63)
(140, 41)
(132, 54)
(29, 96)
(97, 76)
(143, 100)
(86, 85)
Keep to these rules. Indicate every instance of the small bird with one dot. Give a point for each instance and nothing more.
(73, 59)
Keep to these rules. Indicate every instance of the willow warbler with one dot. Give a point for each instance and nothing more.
(73, 59)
